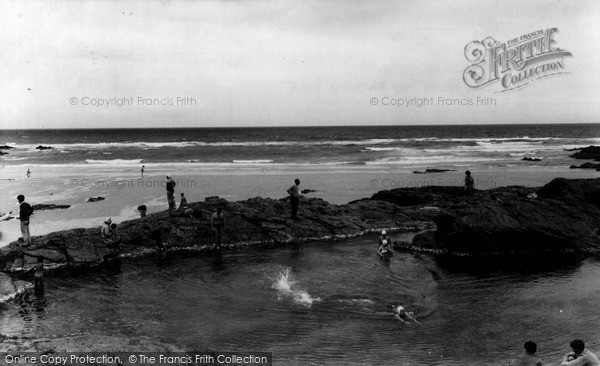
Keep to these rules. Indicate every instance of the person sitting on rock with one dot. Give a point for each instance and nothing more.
(529, 358)
(183, 203)
(401, 314)
(142, 209)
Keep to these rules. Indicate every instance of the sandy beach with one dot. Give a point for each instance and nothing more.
(124, 189)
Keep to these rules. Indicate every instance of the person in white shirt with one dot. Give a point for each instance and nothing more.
(580, 356)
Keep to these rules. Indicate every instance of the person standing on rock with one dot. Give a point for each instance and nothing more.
(105, 231)
(171, 192)
(469, 182)
(25, 211)
(217, 223)
(295, 196)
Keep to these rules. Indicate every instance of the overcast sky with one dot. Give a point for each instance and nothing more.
(281, 63)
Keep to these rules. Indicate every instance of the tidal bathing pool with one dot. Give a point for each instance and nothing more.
(322, 303)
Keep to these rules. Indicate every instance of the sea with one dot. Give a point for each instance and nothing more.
(450, 145)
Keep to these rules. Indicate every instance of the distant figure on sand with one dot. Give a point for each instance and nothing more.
(580, 356)
(529, 358)
(142, 209)
(105, 231)
(294, 198)
(28, 173)
(217, 223)
(183, 202)
(401, 314)
(171, 192)
(25, 211)
(469, 182)
(143, 166)
(38, 281)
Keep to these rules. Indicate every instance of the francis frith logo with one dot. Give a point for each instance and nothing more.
(516, 62)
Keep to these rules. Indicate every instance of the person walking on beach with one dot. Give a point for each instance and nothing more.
(28, 173)
(183, 202)
(295, 196)
(529, 358)
(580, 355)
(217, 223)
(25, 211)
(469, 182)
(171, 192)
(143, 166)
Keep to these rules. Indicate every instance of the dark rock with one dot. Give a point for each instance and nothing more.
(305, 191)
(585, 166)
(530, 159)
(40, 147)
(562, 220)
(3, 153)
(95, 199)
(590, 152)
(41, 206)
(6, 147)
(253, 221)
(428, 171)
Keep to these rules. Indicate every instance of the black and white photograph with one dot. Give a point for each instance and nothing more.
(275, 182)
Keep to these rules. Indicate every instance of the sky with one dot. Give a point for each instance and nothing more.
(282, 63)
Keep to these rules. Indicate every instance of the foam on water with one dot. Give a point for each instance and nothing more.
(287, 289)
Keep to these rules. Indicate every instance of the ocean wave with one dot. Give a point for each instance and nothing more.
(115, 161)
(183, 144)
(259, 161)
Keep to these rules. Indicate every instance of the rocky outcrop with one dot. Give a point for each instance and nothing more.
(43, 206)
(590, 152)
(41, 147)
(429, 171)
(253, 221)
(95, 199)
(561, 218)
(586, 166)
(6, 147)
(527, 158)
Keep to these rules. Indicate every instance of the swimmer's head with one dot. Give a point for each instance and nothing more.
(383, 232)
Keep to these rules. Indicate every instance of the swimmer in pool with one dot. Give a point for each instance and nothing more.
(385, 248)
(401, 314)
